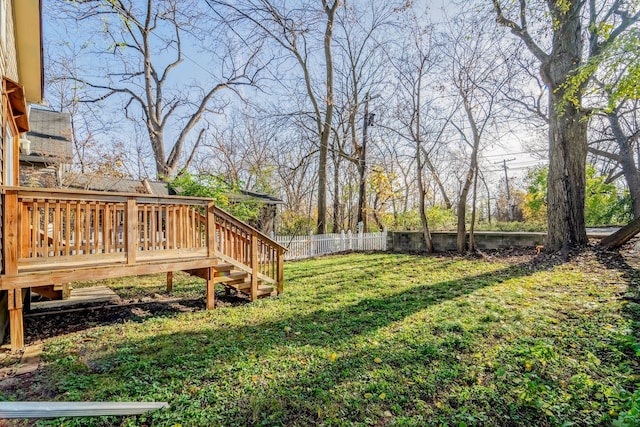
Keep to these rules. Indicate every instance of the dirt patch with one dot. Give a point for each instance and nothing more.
(42, 324)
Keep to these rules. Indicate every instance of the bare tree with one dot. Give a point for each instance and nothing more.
(292, 28)
(563, 23)
(415, 61)
(140, 52)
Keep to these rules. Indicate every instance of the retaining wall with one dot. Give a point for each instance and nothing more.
(413, 241)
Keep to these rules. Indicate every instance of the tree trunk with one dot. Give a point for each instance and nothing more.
(421, 190)
(336, 194)
(629, 168)
(330, 11)
(567, 140)
(472, 230)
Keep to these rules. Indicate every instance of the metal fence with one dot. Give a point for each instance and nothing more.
(300, 247)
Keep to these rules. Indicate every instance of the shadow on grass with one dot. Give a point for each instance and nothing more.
(45, 324)
(163, 366)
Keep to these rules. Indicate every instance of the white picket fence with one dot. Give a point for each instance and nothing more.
(300, 247)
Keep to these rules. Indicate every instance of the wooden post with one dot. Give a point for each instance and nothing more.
(16, 325)
(211, 296)
(132, 231)
(280, 272)
(10, 225)
(66, 290)
(211, 230)
(254, 266)
(169, 281)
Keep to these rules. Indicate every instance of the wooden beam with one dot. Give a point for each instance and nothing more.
(39, 278)
(48, 292)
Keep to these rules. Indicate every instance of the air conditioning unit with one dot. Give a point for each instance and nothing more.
(25, 146)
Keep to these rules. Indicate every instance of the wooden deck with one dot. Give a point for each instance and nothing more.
(52, 237)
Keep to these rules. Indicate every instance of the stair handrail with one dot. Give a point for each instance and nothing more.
(227, 216)
(255, 236)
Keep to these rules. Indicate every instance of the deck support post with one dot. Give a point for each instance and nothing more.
(169, 281)
(254, 266)
(211, 295)
(16, 324)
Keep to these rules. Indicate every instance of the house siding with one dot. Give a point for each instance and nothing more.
(9, 61)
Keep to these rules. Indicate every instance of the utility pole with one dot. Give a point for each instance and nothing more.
(362, 164)
(510, 204)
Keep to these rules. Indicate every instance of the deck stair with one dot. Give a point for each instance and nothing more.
(240, 281)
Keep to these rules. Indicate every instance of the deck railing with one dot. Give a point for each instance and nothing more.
(54, 228)
(46, 229)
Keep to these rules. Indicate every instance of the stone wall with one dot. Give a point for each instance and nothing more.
(413, 241)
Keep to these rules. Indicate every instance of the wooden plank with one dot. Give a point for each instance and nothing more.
(87, 228)
(144, 215)
(29, 264)
(106, 228)
(174, 227)
(67, 229)
(47, 291)
(87, 195)
(132, 231)
(167, 227)
(203, 273)
(280, 271)
(57, 228)
(35, 227)
(77, 219)
(211, 230)
(153, 227)
(240, 266)
(75, 409)
(70, 274)
(172, 254)
(95, 245)
(45, 228)
(93, 294)
(10, 225)
(24, 238)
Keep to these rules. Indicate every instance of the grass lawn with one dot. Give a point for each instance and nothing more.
(373, 339)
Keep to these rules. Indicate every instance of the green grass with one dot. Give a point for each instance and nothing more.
(372, 339)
